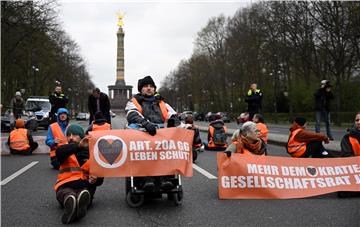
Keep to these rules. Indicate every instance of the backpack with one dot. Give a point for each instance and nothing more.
(219, 136)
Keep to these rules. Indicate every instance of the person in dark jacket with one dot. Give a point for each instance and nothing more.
(323, 97)
(197, 143)
(20, 140)
(75, 188)
(350, 143)
(148, 109)
(57, 100)
(17, 105)
(254, 100)
(216, 139)
(99, 101)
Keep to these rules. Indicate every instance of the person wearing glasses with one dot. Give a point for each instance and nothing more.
(350, 143)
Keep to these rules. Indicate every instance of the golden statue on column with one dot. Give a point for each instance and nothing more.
(120, 17)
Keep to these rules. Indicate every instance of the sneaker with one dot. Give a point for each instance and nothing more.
(166, 185)
(149, 186)
(324, 153)
(83, 201)
(70, 209)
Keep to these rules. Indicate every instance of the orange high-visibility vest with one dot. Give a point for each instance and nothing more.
(57, 134)
(70, 170)
(295, 148)
(162, 105)
(105, 126)
(263, 131)
(19, 140)
(211, 143)
(355, 145)
(242, 150)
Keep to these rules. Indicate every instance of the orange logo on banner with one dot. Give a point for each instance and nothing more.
(119, 153)
(269, 177)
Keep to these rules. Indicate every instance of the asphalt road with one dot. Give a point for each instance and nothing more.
(29, 200)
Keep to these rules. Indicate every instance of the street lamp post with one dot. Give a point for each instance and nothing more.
(35, 69)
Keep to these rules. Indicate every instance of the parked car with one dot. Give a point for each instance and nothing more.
(225, 117)
(40, 107)
(210, 116)
(5, 121)
(199, 116)
(183, 114)
(81, 117)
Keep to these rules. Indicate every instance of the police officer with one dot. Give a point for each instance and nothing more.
(254, 100)
(57, 100)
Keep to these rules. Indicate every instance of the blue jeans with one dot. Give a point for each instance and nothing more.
(325, 115)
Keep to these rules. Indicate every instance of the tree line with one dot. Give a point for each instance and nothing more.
(36, 52)
(285, 47)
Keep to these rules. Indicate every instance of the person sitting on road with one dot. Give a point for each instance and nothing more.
(189, 124)
(350, 143)
(99, 123)
(20, 139)
(303, 143)
(247, 141)
(148, 109)
(217, 134)
(75, 188)
(56, 135)
(259, 120)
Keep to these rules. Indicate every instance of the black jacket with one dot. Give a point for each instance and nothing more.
(216, 124)
(254, 101)
(322, 99)
(104, 106)
(57, 101)
(346, 148)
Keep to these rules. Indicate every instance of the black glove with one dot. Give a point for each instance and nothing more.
(228, 153)
(150, 128)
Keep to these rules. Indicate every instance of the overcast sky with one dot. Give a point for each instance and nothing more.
(158, 35)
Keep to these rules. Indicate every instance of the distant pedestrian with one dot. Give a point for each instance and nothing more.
(99, 101)
(20, 140)
(57, 100)
(17, 105)
(254, 100)
(323, 96)
(303, 143)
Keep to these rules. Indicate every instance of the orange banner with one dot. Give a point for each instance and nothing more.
(269, 177)
(129, 152)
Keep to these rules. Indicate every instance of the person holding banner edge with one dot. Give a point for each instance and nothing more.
(149, 110)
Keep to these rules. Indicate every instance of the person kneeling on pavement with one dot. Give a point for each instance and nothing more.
(246, 141)
(303, 143)
(75, 188)
(20, 139)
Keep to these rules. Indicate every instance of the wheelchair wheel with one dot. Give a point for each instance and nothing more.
(134, 200)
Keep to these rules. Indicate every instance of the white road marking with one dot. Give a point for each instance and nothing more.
(17, 173)
(204, 172)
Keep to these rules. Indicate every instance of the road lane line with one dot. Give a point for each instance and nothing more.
(17, 173)
(204, 172)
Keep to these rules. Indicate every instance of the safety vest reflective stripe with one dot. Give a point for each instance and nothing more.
(57, 134)
(105, 126)
(70, 170)
(295, 148)
(355, 145)
(19, 139)
(164, 110)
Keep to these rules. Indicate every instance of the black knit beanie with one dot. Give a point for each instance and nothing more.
(300, 121)
(145, 81)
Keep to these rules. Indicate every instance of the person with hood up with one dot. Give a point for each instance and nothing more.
(303, 143)
(56, 135)
(217, 134)
(246, 141)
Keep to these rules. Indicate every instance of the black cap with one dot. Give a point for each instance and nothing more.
(145, 81)
(300, 121)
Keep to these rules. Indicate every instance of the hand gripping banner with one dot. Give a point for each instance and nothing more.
(129, 152)
(269, 177)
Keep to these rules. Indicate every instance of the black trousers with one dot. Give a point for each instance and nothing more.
(28, 151)
(314, 149)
